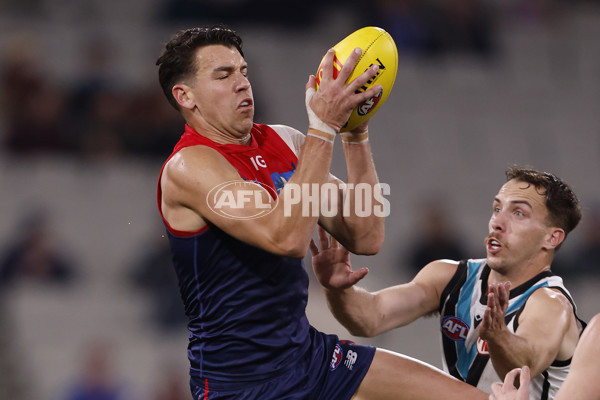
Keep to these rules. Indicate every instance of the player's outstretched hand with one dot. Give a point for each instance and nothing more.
(493, 323)
(508, 390)
(332, 263)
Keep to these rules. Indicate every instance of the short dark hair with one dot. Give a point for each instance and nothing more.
(563, 206)
(178, 60)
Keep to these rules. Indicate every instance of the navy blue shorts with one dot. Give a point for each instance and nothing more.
(332, 369)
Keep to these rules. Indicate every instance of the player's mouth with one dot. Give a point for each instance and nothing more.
(493, 245)
(246, 104)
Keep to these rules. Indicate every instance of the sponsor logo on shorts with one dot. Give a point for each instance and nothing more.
(455, 328)
(336, 358)
(482, 347)
(350, 359)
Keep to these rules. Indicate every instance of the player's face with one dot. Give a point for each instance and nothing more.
(517, 228)
(222, 91)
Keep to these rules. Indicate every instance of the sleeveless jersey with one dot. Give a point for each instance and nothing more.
(245, 306)
(462, 306)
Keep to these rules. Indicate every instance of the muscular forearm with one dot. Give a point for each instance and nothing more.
(295, 217)
(509, 351)
(365, 199)
(543, 325)
(354, 308)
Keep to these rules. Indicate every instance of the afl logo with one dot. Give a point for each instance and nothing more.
(241, 199)
(336, 359)
(455, 328)
(482, 347)
(366, 106)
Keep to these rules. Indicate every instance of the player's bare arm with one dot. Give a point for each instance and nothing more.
(402, 304)
(369, 314)
(547, 331)
(582, 381)
(190, 175)
(362, 234)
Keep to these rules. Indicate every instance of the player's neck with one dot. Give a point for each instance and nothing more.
(517, 276)
(220, 137)
(229, 139)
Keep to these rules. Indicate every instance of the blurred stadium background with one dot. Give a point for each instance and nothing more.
(84, 130)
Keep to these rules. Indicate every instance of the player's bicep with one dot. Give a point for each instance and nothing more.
(199, 186)
(543, 324)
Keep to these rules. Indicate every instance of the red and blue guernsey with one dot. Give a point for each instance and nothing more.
(249, 335)
(246, 307)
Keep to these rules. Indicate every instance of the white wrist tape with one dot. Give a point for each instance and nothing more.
(314, 121)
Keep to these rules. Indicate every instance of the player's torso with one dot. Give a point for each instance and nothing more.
(463, 305)
(246, 307)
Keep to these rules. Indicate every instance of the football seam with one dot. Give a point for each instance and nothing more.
(370, 45)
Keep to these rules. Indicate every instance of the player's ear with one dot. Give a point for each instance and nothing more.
(183, 95)
(554, 238)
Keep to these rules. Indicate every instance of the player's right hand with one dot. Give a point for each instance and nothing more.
(332, 263)
(335, 99)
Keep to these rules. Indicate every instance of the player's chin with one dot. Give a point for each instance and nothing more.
(494, 262)
(491, 259)
(246, 123)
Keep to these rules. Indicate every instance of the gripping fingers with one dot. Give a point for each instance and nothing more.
(327, 66)
(363, 78)
(362, 96)
(349, 65)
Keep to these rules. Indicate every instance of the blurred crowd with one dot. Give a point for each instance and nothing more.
(93, 116)
(97, 116)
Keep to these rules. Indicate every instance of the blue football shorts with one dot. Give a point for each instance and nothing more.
(332, 369)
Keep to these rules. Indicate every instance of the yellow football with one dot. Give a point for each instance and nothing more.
(378, 47)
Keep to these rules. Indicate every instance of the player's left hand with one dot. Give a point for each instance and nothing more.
(493, 323)
(332, 263)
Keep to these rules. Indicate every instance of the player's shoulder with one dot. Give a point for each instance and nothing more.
(291, 136)
(194, 156)
(445, 264)
(195, 161)
(285, 131)
(438, 270)
(551, 298)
